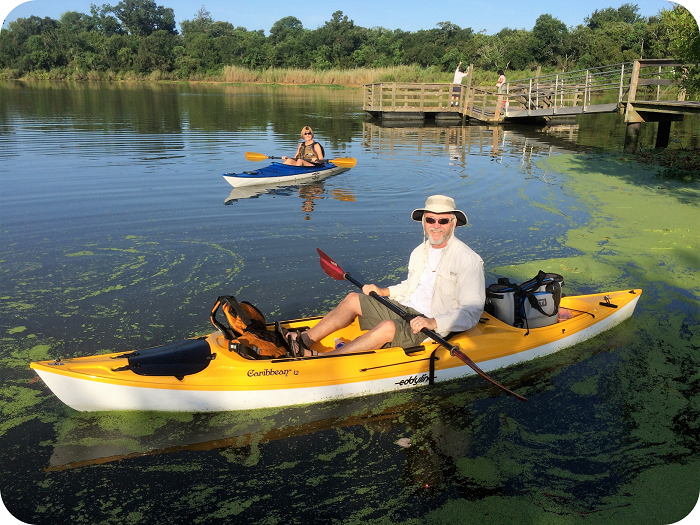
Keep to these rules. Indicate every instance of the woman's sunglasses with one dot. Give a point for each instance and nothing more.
(430, 220)
(308, 133)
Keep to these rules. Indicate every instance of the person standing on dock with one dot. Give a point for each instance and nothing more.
(457, 88)
(501, 84)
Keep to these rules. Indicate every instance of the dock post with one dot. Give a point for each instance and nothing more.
(632, 136)
(663, 134)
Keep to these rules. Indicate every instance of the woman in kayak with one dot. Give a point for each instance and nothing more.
(309, 152)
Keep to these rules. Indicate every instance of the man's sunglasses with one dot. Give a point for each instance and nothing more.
(430, 220)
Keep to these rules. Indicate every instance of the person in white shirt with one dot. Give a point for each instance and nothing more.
(500, 84)
(445, 289)
(457, 89)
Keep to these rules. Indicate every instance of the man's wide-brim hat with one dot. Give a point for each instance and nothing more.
(440, 204)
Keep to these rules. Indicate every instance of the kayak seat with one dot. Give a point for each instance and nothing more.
(175, 359)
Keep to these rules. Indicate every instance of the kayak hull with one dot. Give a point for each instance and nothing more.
(277, 172)
(232, 382)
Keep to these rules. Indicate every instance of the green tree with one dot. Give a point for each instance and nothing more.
(156, 52)
(517, 44)
(143, 17)
(289, 27)
(681, 29)
(103, 22)
(626, 13)
(550, 39)
(29, 44)
(339, 38)
(201, 23)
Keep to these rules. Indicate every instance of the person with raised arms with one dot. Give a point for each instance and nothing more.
(457, 84)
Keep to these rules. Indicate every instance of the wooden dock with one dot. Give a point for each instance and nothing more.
(642, 91)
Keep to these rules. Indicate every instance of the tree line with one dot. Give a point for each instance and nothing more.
(141, 37)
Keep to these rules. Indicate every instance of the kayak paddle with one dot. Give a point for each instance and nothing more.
(342, 162)
(336, 272)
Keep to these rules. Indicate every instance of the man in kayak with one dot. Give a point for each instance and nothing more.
(445, 289)
(309, 152)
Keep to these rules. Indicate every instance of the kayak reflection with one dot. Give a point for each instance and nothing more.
(97, 438)
(310, 192)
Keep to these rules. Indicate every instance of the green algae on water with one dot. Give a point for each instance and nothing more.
(642, 228)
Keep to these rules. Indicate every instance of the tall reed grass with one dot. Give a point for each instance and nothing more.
(354, 77)
(285, 76)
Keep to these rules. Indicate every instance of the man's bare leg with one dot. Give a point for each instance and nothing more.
(372, 340)
(340, 317)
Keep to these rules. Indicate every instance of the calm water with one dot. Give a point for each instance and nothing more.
(119, 232)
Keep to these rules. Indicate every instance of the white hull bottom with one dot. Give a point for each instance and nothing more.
(239, 182)
(89, 395)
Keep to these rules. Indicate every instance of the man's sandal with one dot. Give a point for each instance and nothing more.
(286, 337)
(303, 346)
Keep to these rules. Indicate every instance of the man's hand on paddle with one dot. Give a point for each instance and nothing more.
(369, 288)
(420, 322)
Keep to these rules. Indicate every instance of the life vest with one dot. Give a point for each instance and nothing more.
(308, 153)
(247, 332)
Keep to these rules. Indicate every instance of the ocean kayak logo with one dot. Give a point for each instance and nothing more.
(414, 380)
(270, 372)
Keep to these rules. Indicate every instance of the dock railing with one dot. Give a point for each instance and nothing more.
(404, 97)
(593, 90)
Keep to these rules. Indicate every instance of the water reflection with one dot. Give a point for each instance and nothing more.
(526, 143)
(309, 192)
(151, 108)
(429, 433)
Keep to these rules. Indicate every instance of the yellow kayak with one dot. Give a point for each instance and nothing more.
(207, 375)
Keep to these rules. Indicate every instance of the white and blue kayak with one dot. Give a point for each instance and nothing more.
(278, 172)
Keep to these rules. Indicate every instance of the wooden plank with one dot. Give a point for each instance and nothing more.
(654, 82)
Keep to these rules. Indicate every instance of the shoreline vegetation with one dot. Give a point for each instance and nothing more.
(138, 40)
(345, 78)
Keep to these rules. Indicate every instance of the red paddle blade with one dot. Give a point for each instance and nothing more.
(330, 266)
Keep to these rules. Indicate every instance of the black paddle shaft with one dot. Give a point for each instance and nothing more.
(403, 314)
(454, 350)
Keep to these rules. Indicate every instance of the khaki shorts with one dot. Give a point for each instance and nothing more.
(374, 312)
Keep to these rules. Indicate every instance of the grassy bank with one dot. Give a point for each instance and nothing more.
(283, 76)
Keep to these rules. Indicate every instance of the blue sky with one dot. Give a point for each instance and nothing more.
(409, 15)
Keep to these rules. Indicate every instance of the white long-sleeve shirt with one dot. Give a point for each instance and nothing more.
(460, 289)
